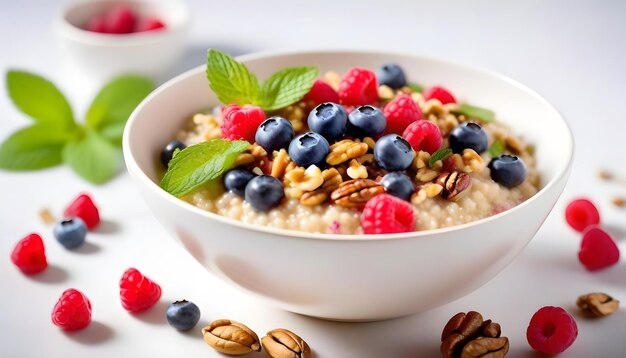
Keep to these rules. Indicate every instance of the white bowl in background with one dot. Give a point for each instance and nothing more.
(359, 277)
(101, 56)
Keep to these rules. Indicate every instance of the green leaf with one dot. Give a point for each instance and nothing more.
(441, 154)
(115, 102)
(35, 147)
(470, 111)
(496, 149)
(113, 133)
(40, 99)
(200, 164)
(231, 81)
(92, 157)
(287, 86)
(415, 87)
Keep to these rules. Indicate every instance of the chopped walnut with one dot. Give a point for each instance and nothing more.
(433, 107)
(356, 170)
(305, 179)
(279, 165)
(618, 201)
(345, 150)
(385, 93)
(472, 161)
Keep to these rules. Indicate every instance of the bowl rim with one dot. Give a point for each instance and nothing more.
(75, 33)
(294, 234)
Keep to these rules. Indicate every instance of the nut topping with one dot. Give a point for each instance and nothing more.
(453, 183)
(597, 304)
(281, 343)
(231, 337)
(356, 170)
(345, 150)
(486, 348)
(355, 193)
(305, 180)
(468, 336)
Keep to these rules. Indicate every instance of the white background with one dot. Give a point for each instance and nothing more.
(572, 52)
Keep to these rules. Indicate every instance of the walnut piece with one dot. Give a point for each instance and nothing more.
(466, 335)
(231, 337)
(597, 304)
(453, 183)
(356, 170)
(345, 150)
(305, 180)
(282, 343)
(355, 193)
(486, 348)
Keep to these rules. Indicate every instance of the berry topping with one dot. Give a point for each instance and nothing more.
(236, 180)
(386, 214)
(328, 119)
(398, 185)
(597, 249)
(366, 121)
(274, 133)
(241, 122)
(29, 255)
(70, 232)
(321, 92)
(551, 330)
(358, 86)
(264, 192)
(507, 170)
(468, 135)
(97, 24)
(401, 112)
(581, 213)
(150, 24)
(182, 315)
(84, 208)
(392, 75)
(168, 151)
(121, 20)
(308, 149)
(393, 153)
(138, 292)
(423, 135)
(440, 93)
(73, 311)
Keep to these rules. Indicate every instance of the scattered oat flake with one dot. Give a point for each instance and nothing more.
(618, 201)
(605, 175)
(46, 216)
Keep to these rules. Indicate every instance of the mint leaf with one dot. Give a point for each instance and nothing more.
(115, 102)
(287, 86)
(231, 81)
(39, 98)
(415, 87)
(441, 154)
(35, 147)
(200, 164)
(92, 157)
(470, 111)
(496, 149)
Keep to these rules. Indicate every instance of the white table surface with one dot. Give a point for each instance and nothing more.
(570, 51)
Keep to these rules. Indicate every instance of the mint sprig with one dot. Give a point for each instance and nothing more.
(496, 149)
(441, 154)
(200, 164)
(92, 149)
(480, 113)
(232, 82)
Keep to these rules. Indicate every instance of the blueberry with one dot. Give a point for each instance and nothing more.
(468, 135)
(182, 315)
(392, 75)
(264, 192)
(236, 179)
(70, 232)
(507, 170)
(168, 151)
(398, 185)
(366, 121)
(274, 133)
(308, 148)
(393, 153)
(328, 119)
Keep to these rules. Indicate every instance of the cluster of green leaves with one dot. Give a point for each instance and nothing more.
(232, 82)
(91, 149)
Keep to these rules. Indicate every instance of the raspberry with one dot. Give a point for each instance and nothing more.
(401, 112)
(241, 122)
(321, 92)
(597, 249)
(29, 255)
(138, 292)
(423, 135)
(581, 213)
(440, 93)
(97, 24)
(84, 208)
(121, 20)
(386, 214)
(358, 87)
(73, 311)
(551, 330)
(150, 24)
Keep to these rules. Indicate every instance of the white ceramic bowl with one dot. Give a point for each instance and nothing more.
(101, 56)
(362, 277)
